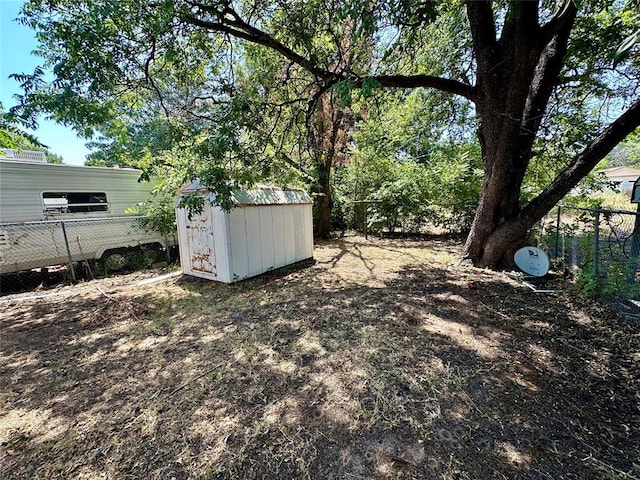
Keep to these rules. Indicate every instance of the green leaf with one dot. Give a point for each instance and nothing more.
(625, 47)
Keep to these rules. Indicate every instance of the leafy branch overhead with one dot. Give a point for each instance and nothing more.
(624, 50)
(282, 85)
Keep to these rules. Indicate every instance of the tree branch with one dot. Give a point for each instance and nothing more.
(582, 164)
(240, 29)
(483, 33)
(413, 81)
(289, 161)
(565, 14)
(547, 73)
(149, 78)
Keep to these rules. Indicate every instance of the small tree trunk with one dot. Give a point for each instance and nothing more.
(324, 202)
(329, 136)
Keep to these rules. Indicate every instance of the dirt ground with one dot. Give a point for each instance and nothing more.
(382, 360)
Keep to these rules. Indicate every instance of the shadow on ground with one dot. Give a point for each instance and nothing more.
(382, 360)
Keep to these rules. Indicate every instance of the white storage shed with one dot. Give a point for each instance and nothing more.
(268, 228)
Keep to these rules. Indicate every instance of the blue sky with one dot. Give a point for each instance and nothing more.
(16, 44)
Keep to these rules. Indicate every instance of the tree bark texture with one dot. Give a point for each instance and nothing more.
(324, 203)
(516, 76)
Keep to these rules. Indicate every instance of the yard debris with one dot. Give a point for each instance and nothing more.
(538, 284)
(26, 298)
(160, 278)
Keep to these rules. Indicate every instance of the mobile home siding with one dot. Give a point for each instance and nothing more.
(32, 238)
(22, 185)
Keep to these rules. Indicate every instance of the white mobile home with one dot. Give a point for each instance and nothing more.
(50, 214)
(267, 229)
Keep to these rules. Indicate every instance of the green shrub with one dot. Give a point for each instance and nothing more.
(442, 191)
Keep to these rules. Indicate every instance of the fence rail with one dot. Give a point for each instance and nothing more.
(33, 248)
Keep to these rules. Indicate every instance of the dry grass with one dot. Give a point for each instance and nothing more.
(617, 201)
(379, 361)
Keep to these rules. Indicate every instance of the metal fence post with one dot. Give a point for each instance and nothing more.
(66, 244)
(557, 232)
(596, 241)
(635, 236)
(166, 249)
(366, 221)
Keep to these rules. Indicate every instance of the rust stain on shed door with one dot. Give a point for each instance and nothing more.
(201, 250)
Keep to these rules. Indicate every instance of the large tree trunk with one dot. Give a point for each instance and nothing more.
(515, 78)
(494, 247)
(496, 207)
(505, 168)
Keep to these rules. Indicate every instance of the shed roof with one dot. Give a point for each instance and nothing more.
(258, 195)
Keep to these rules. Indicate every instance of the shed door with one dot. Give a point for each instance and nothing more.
(202, 255)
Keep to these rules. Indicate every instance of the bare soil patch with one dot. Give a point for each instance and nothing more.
(382, 360)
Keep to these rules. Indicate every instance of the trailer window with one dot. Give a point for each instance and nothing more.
(73, 202)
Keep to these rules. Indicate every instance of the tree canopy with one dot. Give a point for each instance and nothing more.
(14, 137)
(539, 78)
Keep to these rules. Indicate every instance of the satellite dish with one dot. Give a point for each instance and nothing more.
(532, 260)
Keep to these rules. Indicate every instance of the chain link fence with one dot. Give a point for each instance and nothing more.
(55, 251)
(602, 248)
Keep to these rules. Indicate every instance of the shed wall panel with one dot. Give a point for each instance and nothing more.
(181, 224)
(222, 239)
(265, 215)
(289, 234)
(254, 249)
(308, 231)
(252, 233)
(279, 252)
(299, 232)
(238, 238)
